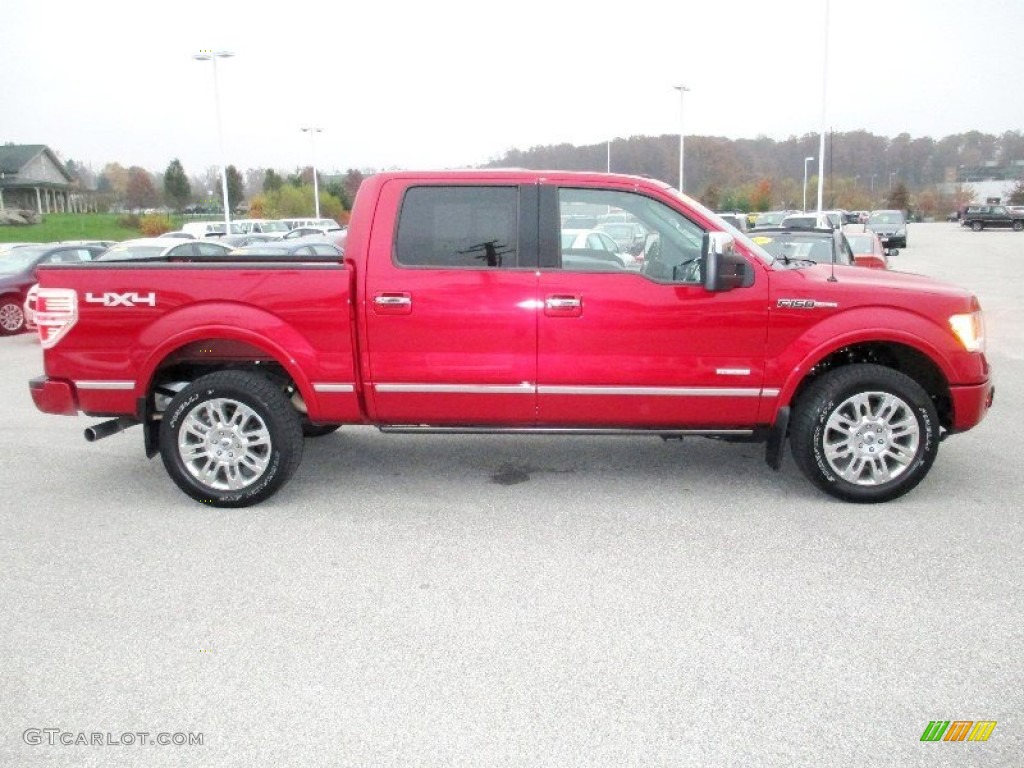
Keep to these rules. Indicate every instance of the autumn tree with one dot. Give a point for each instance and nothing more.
(899, 198)
(272, 181)
(140, 192)
(235, 194)
(177, 189)
(1015, 195)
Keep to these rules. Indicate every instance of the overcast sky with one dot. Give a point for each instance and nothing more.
(398, 84)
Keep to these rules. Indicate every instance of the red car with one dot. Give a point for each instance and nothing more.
(868, 250)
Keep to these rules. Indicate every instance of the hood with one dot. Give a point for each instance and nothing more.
(860, 286)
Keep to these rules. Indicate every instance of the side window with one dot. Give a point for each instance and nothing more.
(210, 249)
(671, 249)
(471, 227)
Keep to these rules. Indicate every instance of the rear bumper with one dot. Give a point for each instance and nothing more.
(970, 404)
(54, 396)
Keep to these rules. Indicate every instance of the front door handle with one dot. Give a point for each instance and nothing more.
(563, 305)
(392, 303)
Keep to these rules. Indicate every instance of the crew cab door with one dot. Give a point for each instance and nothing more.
(450, 304)
(647, 347)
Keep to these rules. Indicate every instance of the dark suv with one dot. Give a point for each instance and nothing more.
(890, 226)
(977, 217)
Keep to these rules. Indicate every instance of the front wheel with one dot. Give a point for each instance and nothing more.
(865, 433)
(12, 317)
(976, 226)
(230, 439)
(1018, 226)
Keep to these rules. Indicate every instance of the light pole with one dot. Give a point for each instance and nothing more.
(824, 101)
(891, 174)
(212, 56)
(806, 161)
(608, 165)
(682, 90)
(312, 130)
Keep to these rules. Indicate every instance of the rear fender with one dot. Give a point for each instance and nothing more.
(250, 325)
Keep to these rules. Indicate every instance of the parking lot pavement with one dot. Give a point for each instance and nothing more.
(427, 600)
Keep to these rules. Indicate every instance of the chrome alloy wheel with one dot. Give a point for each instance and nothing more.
(11, 317)
(871, 438)
(224, 444)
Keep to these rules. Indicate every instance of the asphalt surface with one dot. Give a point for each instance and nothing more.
(479, 601)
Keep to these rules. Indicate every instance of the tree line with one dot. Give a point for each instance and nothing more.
(862, 170)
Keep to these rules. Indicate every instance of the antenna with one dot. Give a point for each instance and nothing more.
(832, 277)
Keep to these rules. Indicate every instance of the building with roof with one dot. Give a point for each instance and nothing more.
(33, 177)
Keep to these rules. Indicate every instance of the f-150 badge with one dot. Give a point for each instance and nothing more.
(805, 304)
(121, 299)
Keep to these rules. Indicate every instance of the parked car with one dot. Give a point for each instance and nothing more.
(813, 220)
(868, 250)
(179, 234)
(201, 229)
(307, 232)
(822, 245)
(294, 249)
(146, 248)
(769, 219)
(272, 227)
(890, 226)
(979, 217)
(325, 224)
(594, 244)
(629, 236)
(738, 220)
(18, 273)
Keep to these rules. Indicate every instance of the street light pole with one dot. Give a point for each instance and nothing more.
(824, 101)
(212, 56)
(682, 90)
(806, 161)
(312, 130)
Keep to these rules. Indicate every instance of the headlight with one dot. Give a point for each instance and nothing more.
(970, 329)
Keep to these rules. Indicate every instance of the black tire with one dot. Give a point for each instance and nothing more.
(906, 440)
(1018, 226)
(262, 428)
(309, 429)
(12, 316)
(976, 226)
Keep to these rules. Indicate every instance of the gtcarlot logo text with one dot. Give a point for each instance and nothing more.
(59, 737)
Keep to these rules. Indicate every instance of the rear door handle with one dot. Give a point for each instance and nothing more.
(560, 305)
(392, 303)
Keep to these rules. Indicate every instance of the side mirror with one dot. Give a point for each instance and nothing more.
(723, 268)
(651, 244)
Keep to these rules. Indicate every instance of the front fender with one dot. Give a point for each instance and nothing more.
(798, 354)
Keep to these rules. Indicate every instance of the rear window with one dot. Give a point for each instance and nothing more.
(458, 227)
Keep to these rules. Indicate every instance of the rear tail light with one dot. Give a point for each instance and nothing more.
(56, 314)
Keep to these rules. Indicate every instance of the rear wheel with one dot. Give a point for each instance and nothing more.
(976, 226)
(12, 317)
(230, 439)
(1018, 226)
(865, 433)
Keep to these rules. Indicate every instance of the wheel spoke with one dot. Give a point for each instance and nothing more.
(871, 438)
(225, 444)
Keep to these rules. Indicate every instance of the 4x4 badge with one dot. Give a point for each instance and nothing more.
(121, 299)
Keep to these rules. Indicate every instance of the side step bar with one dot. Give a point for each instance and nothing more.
(406, 429)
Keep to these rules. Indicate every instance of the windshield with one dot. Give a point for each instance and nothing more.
(797, 246)
(741, 237)
(274, 226)
(886, 218)
(19, 259)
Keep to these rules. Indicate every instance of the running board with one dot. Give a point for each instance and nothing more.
(406, 429)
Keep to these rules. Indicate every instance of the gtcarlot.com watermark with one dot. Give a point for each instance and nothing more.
(54, 737)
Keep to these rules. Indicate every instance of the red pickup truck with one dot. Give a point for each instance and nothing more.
(458, 308)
